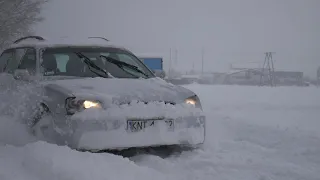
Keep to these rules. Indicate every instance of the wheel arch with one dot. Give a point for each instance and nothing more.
(55, 97)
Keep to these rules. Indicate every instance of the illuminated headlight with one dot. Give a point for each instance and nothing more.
(191, 102)
(91, 104)
(73, 105)
(194, 101)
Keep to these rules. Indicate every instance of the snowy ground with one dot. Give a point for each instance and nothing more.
(254, 133)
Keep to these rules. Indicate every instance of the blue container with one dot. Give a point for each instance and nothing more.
(154, 63)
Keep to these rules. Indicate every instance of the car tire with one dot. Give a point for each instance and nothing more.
(41, 122)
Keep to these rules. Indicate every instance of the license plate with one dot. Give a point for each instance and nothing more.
(140, 125)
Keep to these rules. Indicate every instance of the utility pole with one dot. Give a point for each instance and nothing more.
(192, 67)
(268, 67)
(169, 74)
(202, 60)
(318, 77)
(176, 57)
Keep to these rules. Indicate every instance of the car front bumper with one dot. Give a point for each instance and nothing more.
(114, 135)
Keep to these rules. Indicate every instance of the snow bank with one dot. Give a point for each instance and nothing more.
(13, 132)
(38, 161)
(14, 110)
(115, 120)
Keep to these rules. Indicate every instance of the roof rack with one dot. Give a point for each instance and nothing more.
(99, 38)
(29, 37)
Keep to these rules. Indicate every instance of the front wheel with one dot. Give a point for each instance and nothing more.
(41, 122)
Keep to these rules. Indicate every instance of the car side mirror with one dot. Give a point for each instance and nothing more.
(22, 74)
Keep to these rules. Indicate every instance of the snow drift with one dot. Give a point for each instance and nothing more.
(14, 110)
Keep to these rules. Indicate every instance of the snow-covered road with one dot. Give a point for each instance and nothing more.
(254, 133)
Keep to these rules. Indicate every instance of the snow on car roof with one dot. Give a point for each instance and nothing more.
(65, 42)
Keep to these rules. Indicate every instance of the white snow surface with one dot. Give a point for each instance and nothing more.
(253, 133)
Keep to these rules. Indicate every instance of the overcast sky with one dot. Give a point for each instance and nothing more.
(229, 30)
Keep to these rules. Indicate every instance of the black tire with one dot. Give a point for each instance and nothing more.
(41, 112)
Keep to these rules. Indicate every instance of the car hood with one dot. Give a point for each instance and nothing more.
(121, 91)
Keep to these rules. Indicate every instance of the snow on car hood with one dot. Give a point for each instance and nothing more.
(124, 90)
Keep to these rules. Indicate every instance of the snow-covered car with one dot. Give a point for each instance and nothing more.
(99, 96)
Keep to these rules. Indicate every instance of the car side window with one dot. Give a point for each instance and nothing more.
(14, 62)
(5, 57)
(29, 61)
(62, 61)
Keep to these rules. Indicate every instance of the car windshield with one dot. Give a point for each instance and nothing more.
(93, 62)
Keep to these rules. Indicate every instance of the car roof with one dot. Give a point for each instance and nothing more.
(37, 42)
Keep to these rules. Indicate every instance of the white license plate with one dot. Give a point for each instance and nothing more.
(140, 125)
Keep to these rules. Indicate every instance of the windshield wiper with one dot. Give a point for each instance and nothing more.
(91, 64)
(121, 64)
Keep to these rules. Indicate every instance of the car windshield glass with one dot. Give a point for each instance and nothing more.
(124, 65)
(91, 65)
(65, 61)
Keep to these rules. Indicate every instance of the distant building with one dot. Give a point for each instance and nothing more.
(253, 77)
(289, 78)
(243, 77)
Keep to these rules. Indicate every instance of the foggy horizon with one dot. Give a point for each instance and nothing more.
(228, 31)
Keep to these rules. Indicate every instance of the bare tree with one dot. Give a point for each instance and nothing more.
(17, 17)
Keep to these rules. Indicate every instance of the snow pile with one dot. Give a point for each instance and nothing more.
(120, 139)
(14, 110)
(39, 161)
(114, 119)
(120, 90)
(13, 132)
